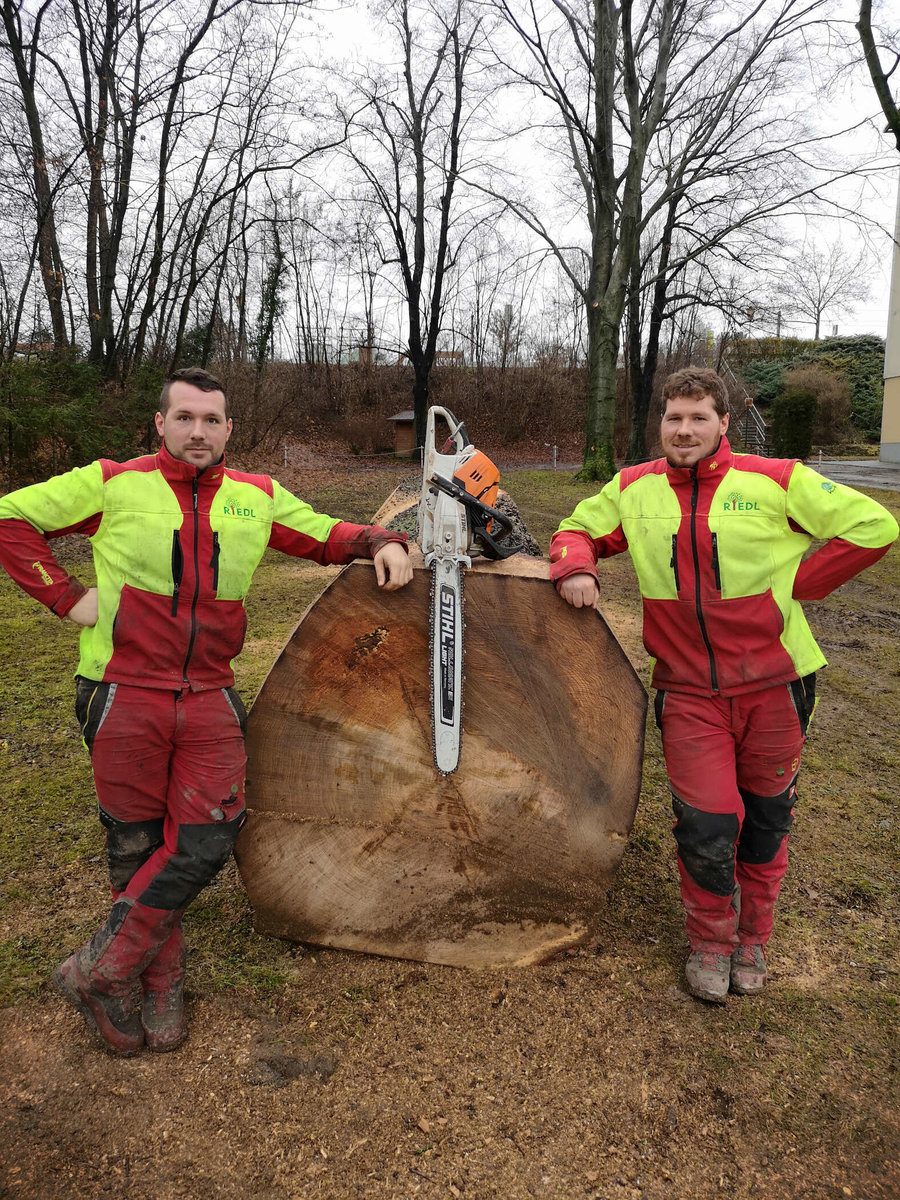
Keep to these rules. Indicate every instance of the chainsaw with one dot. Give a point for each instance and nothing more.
(457, 522)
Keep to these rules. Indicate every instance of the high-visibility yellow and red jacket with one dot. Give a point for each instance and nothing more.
(718, 551)
(175, 550)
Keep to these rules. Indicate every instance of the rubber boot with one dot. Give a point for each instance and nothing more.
(102, 979)
(162, 1008)
(115, 1017)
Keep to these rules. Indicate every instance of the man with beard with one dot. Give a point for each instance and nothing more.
(176, 538)
(718, 541)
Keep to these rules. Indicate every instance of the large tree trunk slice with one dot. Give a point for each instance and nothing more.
(354, 839)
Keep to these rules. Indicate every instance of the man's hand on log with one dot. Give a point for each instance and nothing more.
(393, 569)
(581, 591)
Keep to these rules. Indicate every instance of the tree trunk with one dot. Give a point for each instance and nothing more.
(642, 381)
(355, 840)
(600, 417)
(420, 400)
(49, 257)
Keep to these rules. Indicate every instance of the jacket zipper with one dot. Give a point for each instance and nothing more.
(196, 595)
(673, 563)
(214, 562)
(715, 554)
(713, 678)
(177, 569)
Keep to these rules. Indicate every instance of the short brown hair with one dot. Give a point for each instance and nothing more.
(196, 377)
(696, 382)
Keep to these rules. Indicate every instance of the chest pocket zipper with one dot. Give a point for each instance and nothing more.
(673, 563)
(177, 569)
(715, 562)
(214, 562)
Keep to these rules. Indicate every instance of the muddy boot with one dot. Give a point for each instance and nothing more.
(162, 1015)
(116, 1018)
(748, 970)
(102, 979)
(162, 1011)
(707, 974)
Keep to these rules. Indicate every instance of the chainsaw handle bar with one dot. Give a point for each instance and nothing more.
(492, 547)
(458, 435)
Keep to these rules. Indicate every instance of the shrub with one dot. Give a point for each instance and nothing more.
(51, 415)
(832, 394)
(793, 419)
(765, 378)
(860, 360)
(744, 351)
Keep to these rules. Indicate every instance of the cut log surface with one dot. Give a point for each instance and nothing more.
(354, 839)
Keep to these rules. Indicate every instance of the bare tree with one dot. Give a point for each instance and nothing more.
(735, 153)
(22, 42)
(409, 145)
(164, 117)
(606, 78)
(830, 279)
(661, 121)
(881, 76)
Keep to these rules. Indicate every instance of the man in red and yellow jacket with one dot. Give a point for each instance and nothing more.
(717, 540)
(176, 538)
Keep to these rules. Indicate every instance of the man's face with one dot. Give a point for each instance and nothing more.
(194, 426)
(690, 429)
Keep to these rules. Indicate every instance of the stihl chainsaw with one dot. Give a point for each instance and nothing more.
(457, 521)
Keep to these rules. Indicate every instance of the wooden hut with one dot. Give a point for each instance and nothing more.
(404, 432)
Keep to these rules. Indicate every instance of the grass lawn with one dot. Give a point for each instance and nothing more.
(811, 1066)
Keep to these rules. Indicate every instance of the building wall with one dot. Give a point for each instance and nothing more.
(890, 418)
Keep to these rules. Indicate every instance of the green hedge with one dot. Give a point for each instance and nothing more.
(57, 413)
(859, 360)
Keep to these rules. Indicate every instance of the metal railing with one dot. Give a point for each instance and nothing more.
(746, 419)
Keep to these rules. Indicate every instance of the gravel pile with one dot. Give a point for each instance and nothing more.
(405, 521)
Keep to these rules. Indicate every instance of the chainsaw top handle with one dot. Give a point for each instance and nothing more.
(459, 438)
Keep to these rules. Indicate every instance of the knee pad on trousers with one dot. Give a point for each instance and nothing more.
(767, 822)
(128, 846)
(90, 955)
(706, 846)
(201, 853)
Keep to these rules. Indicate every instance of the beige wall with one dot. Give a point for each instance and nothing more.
(890, 418)
(890, 421)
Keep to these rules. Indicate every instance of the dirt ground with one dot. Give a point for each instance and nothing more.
(388, 1079)
(591, 1076)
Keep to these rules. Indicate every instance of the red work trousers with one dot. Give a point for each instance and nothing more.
(732, 765)
(169, 773)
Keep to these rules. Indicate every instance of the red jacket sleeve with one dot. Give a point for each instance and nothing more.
(70, 503)
(346, 541)
(26, 557)
(593, 531)
(856, 529)
(299, 531)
